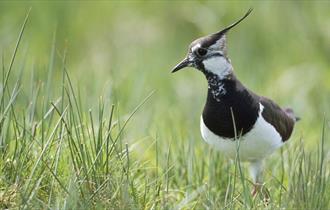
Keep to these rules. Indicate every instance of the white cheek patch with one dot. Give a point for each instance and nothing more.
(218, 65)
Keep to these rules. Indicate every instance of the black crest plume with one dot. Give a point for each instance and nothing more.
(219, 37)
(223, 31)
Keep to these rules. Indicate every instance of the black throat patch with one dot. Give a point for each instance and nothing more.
(216, 86)
(225, 97)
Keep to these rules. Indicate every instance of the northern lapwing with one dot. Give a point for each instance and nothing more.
(233, 112)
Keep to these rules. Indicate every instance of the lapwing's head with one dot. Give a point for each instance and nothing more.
(209, 54)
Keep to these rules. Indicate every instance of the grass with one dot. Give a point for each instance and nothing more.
(63, 146)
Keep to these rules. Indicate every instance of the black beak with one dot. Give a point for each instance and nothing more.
(184, 63)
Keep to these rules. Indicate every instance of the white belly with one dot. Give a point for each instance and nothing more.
(258, 143)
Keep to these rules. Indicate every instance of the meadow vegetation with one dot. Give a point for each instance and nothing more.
(91, 118)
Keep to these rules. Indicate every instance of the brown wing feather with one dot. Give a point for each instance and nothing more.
(276, 116)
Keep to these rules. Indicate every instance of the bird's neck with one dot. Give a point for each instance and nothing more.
(219, 86)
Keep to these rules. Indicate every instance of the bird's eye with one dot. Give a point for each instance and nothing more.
(201, 52)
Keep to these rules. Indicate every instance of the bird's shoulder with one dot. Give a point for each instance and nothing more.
(277, 117)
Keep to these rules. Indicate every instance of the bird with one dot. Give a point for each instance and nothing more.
(235, 120)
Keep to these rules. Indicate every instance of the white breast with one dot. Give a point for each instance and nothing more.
(258, 143)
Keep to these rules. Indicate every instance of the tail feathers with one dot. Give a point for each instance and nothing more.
(291, 114)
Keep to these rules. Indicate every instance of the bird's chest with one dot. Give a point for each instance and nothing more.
(231, 114)
(261, 140)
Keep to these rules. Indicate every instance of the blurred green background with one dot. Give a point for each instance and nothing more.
(120, 51)
(124, 50)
